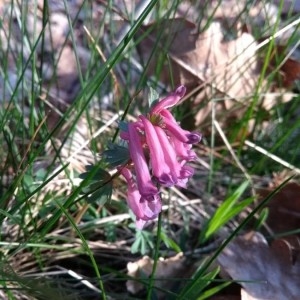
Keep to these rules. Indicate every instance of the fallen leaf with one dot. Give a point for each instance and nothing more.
(291, 71)
(210, 63)
(166, 268)
(285, 68)
(228, 67)
(201, 57)
(288, 6)
(284, 208)
(264, 272)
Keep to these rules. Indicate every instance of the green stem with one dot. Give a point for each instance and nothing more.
(156, 257)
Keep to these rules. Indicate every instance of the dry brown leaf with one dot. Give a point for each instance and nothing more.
(287, 69)
(284, 208)
(175, 37)
(264, 272)
(288, 6)
(198, 58)
(230, 12)
(228, 67)
(166, 268)
(291, 71)
(225, 297)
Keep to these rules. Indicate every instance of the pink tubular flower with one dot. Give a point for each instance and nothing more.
(180, 171)
(133, 194)
(171, 100)
(143, 210)
(183, 150)
(169, 153)
(173, 127)
(160, 168)
(159, 150)
(146, 187)
(124, 135)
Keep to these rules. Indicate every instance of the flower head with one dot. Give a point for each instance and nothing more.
(160, 151)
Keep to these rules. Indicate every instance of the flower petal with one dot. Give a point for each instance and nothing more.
(143, 177)
(169, 101)
(174, 128)
(133, 195)
(183, 150)
(139, 223)
(169, 153)
(160, 168)
(151, 208)
(142, 208)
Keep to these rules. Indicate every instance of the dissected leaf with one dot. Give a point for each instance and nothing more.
(116, 155)
(143, 242)
(100, 193)
(153, 96)
(98, 187)
(264, 272)
(100, 174)
(123, 125)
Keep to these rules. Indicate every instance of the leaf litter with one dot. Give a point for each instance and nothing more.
(208, 59)
(221, 66)
(171, 267)
(264, 272)
(284, 207)
(229, 67)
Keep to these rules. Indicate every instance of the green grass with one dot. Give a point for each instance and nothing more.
(54, 228)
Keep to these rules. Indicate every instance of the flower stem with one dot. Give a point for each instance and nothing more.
(156, 257)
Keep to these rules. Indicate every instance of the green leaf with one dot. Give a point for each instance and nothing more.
(263, 215)
(169, 242)
(116, 155)
(35, 288)
(206, 264)
(198, 283)
(153, 97)
(28, 180)
(99, 187)
(123, 125)
(208, 293)
(41, 174)
(225, 212)
(100, 174)
(101, 195)
(135, 247)
(143, 242)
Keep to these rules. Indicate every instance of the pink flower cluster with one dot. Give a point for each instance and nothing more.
(159, 150)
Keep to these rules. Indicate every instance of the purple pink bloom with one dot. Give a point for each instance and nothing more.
(144, 209)
(144, 182)
(159, 150)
